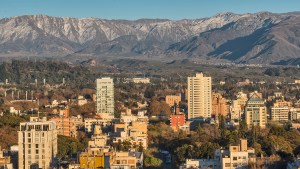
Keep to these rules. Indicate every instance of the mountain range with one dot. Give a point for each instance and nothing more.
(260, 38)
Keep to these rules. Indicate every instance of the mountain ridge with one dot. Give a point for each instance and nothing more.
(217, 36)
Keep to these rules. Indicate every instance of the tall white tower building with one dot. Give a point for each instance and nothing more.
(199, 97)
(37, 142)
(105, 98)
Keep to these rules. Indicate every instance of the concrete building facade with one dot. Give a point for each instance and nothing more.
(67, 126)
(256, 112)
(199, 97)
(172, 99)
(5, 161)
(105, 98)
(280, 113)
(219, 105)
(37, 142)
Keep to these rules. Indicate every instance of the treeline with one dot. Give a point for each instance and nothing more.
(25, 72)
(281, 141)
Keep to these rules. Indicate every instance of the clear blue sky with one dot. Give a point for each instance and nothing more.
(135, 9)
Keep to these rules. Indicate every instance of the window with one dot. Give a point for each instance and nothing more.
(38, 127)
(30, 127)
(234, 158)
(36, 146)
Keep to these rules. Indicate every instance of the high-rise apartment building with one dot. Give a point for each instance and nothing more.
(105, 98)
(199, 96)
(37, 142)
(256, 112)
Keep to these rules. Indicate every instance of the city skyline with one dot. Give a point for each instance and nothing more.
(117, 9)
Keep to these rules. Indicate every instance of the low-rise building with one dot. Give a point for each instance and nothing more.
(128, 160)
(141, 80)
(178, 121)
(280, 113)
(173, 99)
(68, 126)
(282, 103)
(295, 113)
(236, 157)
(201, 163)
(12, 110)
(136, 133)
(5, 162)
(89, 124)
(98, 154)
(81, 101)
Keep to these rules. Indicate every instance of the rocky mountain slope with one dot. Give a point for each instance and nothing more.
(247, 38)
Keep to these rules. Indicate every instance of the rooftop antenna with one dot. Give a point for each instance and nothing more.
(31, 94)
(12, 95)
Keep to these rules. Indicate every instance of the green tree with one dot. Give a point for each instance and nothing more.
(152, 162)
(140, 148)
(68, 145)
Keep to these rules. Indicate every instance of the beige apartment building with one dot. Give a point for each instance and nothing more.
(219, 105)
(256, 112)
(236, 156)
(237, 106)
(141, 80)
(280, 113)
(67, 126)
(105, 98)
(199, 97)
(37, 142)
(5, 161)
(172, 99)
(90, 123)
